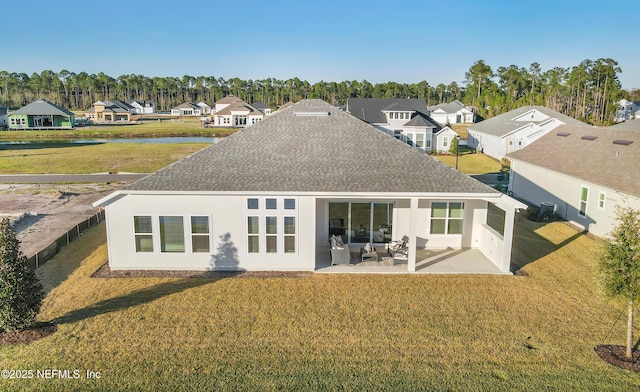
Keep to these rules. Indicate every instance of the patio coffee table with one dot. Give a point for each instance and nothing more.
(369, 256)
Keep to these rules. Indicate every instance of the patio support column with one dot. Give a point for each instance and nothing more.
(413, 229)
(509, 224)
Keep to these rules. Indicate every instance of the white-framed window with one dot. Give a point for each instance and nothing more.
(253, 234)
(420, 139)
(601, 200)
(271, 225)
(200, 242)
(143, 233)
(427, 143)
(445, 141)
(584, 196)
(172, 234)
(289, 234)
(271, 234)
(446, 217)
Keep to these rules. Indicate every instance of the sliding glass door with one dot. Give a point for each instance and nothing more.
(360, 223)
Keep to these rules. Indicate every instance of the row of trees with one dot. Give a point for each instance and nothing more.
(588, 91)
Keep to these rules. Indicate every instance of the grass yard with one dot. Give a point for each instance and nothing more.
(94, 158)
(331, 332)
(143, 129)
(471, 163)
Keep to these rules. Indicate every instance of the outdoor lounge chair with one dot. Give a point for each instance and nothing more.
(340, 254)
(399, 249)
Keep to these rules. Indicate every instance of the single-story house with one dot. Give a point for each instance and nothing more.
(629, 125)
(405, 119)
(583, 172)
(443, 138)
(237, 114)
(514, 130)
(142, 106)
(41, 114)
(109, 111)
(4, 114)
(205, 108)
(270, 196)
(187, 109)
(451, 113)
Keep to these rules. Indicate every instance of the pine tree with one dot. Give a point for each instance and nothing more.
(21, 292)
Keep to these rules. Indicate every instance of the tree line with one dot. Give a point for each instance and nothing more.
(588, 91)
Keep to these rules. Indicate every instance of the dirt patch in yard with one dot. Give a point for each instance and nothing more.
(30, 334)
(45, 212)
(615, 355)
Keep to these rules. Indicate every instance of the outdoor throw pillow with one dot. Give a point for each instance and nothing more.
(339, 240)
(334, 243)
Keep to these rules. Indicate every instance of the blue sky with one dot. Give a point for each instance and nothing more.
(402, 41)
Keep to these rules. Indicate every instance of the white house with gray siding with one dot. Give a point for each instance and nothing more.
(514, 130)
(454, 112)
(270, 196)
(585, 172)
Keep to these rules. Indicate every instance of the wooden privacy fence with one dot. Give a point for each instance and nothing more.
(56, 246)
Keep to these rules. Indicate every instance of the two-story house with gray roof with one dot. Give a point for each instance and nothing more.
(514, 130)
(584, 172)
(270, 196)
(405, 119)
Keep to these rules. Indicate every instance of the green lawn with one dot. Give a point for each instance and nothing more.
(143, 129)
(471, 163)
(331, 332)
(94, 158)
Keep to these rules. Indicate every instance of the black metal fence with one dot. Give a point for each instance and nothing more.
(56, 246)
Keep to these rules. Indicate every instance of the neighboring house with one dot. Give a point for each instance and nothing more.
(237, 114)
(142, 107)
(269, 196)
(514, 130)
(631, 125)
(405, 119)
(109, 111)
(285, 105)
(263, 107)
(187, 109)
(204, 108)
(451, 113)
(627, 110)
(443, 138)
(4, 113)
(41, 114)
(224, 102)
(584, 172)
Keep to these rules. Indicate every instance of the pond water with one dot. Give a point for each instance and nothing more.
(23, 144)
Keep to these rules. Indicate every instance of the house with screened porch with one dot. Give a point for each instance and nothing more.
(271, 196)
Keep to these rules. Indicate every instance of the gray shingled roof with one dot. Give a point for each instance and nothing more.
(370, 109)
(42, 107)
(598, 161)
(228, 99)
(187, 105)
(448, 107)
(238, 106)
(632, 125)
(420, 120)
(503, 124)
(291, 152)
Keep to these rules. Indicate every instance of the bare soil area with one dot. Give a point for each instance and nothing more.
(48, 211)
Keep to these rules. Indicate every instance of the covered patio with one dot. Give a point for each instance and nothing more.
(428, 261)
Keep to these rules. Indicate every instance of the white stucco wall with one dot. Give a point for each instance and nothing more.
(228, 217)
(535, 185)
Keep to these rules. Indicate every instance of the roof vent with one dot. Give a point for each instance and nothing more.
(563, 134)
(622, 142)
(588, 137)
(311, 114)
